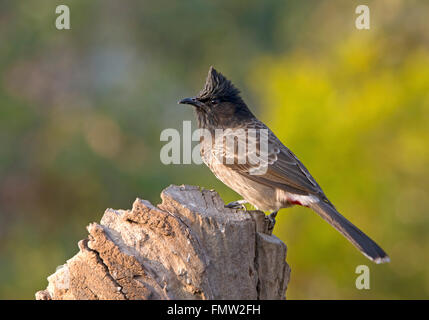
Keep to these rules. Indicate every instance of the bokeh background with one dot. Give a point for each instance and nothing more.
(81, 113)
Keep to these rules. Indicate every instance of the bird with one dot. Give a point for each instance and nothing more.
(284, 182)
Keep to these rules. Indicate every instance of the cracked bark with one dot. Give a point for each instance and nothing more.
(188, 247)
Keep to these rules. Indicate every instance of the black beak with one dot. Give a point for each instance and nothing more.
(192, 101)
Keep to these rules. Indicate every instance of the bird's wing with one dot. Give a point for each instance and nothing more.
(280, 169)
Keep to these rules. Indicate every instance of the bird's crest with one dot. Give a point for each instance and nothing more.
(218, 86)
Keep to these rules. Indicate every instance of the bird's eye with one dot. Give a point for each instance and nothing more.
(214, 101)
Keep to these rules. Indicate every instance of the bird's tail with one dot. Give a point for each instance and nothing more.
(359, 239)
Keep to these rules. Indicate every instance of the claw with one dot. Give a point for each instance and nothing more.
(239, 204)
(272, 220)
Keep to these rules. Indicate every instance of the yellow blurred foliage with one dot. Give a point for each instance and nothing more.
(357, 116)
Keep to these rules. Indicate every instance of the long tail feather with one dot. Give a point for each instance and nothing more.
(359, 239)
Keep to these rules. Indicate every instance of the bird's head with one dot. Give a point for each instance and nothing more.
(219, 104)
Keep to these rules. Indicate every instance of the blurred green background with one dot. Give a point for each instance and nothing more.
(81, 113)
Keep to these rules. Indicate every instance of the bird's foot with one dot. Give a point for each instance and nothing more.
(239, 204)
(272, 220)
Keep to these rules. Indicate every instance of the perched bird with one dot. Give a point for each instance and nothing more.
(285, 181)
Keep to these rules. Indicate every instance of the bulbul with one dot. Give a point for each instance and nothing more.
(285, 182)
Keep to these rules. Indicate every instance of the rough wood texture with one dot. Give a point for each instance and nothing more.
(188, 247)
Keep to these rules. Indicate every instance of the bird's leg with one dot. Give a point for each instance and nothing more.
(272, 219)
(239, 204)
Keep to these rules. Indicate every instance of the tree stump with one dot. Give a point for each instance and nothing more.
(188, 247)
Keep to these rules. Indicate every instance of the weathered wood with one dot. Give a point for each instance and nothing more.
(188, 247)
